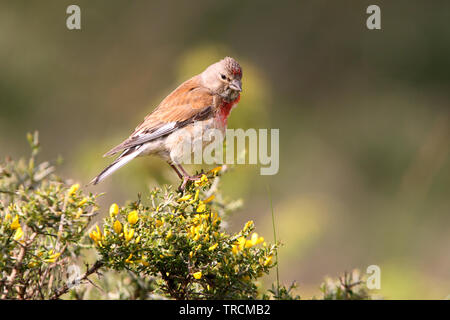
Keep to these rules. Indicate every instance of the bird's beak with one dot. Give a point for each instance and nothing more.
(236, 85)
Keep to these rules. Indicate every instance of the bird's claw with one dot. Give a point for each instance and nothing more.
(186, 179)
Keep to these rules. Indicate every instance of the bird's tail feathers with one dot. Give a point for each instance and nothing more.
(121, 160)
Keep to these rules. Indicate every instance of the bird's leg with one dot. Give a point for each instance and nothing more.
(185, 174)
(187, 177)
(176, 170)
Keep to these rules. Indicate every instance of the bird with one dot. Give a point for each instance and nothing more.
(205, 99)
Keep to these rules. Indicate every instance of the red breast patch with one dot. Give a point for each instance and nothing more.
(225, 109)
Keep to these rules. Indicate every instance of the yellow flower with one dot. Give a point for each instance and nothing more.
(15, 223)
(128, 260)
(52, 257)
(215, 171)
(195, 197)
(137, 239)
(255, 240)
(202, 181)
(128, 233)
(234, 249)
(18, 234)
(117, 226)
(213, 247)
(216, 219)
(113, 210)
(185, 198)
(191, 254)
(197, 275)
(248, 225)
(241, 243)
(96, 235)
(82, 202)
(133, 217)
(209, 199)
(73, 189)
(268, 261)
(145, 263)
(201, 207)
(169, 234)
(158, 223)
(196, 219)
(8, 216)
(79, 213)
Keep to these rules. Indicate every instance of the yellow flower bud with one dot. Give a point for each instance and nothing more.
(82, 202)
(15, 223)
(213, 247)
(79, 213)
(128, 233)
(197, 275)
(18, 234)
(215, 171)
(117, 226)
(96, 235)
(268, 261)
(209, 199)
(133, 217)
(128, 260)
(241, 243)
(185, 198)
(248, 225)
(73, 189)
(195, 197)
(201, 207)
(113, 210)
(54, 255)
(255, 239)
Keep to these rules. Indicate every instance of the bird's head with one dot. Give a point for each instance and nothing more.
(224, 78)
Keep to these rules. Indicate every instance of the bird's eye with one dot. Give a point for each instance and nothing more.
(223, 77)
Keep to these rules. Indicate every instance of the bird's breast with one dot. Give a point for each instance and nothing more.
(224, 111)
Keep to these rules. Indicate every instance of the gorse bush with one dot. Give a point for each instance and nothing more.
(43, 222)
(179, 238)
(172, 244)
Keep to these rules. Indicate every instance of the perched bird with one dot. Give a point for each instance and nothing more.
(206, 99)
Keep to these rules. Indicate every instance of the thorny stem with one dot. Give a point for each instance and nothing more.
(94, 269)
(275, 239)
(21, 255)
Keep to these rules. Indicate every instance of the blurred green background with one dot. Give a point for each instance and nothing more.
(363, 116)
